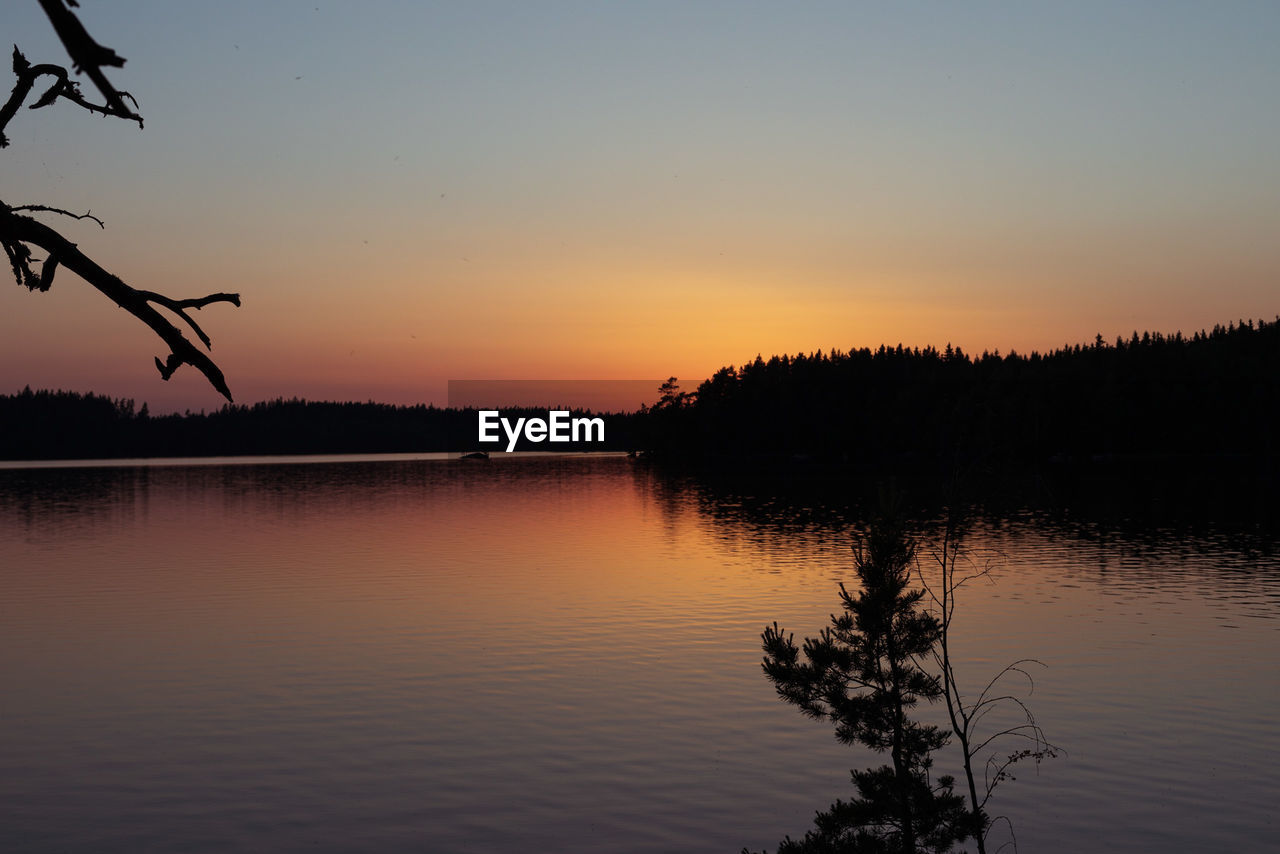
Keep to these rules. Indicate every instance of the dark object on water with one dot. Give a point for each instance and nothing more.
(476, 455)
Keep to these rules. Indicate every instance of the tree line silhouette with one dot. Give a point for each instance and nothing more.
(1212, 396)
(68, 425)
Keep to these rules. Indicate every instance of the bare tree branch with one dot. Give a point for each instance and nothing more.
(967, 716)
(88, 56)
(178, 306)
(19, 233)
(63, 87)
(16, 231)
(60, 211)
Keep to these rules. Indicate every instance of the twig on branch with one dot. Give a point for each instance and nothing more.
(20, 233)
(966, 716)
(88, 56)
(17, 231)
(63, 87)
(178, 306)
(60, 211)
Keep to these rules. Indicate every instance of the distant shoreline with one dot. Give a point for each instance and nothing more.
(279, 459)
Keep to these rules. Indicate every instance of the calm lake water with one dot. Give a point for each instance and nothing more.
(562, 654)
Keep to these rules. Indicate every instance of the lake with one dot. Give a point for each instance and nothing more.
(563, 654)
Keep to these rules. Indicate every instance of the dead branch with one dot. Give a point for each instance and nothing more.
(18, 233)
(59, 211)
(63, 87)
(88, 56)
(967, 716)
(179, 306)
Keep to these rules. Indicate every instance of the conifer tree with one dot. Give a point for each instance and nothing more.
(864, 675)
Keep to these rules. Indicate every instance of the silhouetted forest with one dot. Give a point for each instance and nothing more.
(1213, 396)
(67, 425)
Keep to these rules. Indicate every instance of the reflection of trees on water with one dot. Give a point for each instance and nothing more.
(61, 501)
(52, 504)
(771, 505)
(1137, 532)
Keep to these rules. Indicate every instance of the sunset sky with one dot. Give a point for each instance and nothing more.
(408, 193)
